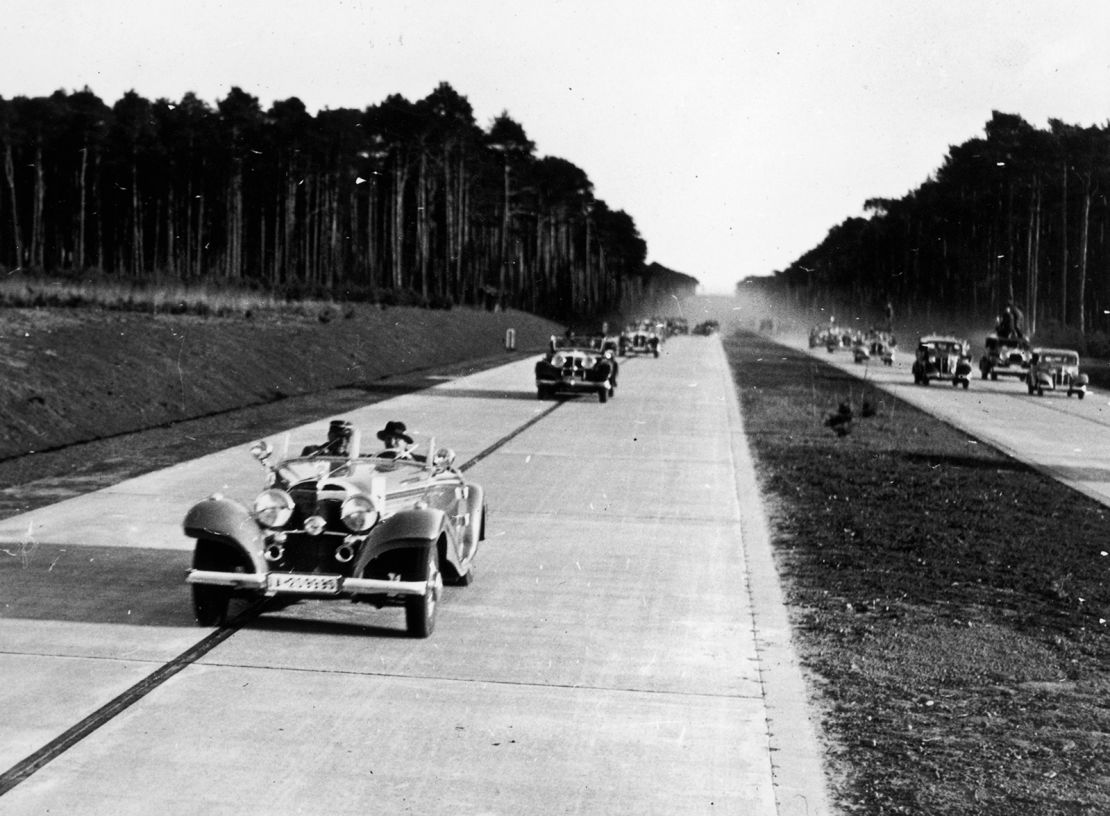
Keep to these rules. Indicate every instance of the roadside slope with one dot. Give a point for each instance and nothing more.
(71, 375)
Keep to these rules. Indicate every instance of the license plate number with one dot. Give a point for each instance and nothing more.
(315, 584)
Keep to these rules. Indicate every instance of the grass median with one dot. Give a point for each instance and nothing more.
(949, 603)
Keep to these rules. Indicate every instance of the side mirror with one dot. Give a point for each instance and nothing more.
(443, 459)
(262, 451)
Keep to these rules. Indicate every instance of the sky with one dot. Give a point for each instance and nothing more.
(736, 133)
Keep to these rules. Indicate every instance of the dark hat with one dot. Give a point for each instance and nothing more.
(338, 428)
(393, 428)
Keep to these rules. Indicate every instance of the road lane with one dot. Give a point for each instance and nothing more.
(605, 661)
(1065, 438)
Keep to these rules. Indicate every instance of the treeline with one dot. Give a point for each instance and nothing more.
(402, 200)
(1021, 215)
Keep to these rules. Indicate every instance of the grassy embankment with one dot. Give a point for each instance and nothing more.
(950, 603)
(70, 374)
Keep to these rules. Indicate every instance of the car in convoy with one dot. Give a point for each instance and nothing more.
(385, 529)
(1053, 369)
(1005, 356)
(942, 357)
(861, 350)
(707, 328)
(640, 338)
(578, 365)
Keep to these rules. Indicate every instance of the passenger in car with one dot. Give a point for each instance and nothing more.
(337, 444)
(397, 441)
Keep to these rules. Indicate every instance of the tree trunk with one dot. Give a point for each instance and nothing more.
(1081, 281)
(9, 171)
(1064, 248)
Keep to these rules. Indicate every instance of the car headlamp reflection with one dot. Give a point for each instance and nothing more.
(358, 514)
(272, 508)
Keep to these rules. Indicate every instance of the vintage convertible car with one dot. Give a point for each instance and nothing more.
(577, 365)
(1005, 356)
(941, 357)
(640, 339)
(1053, 369)
(384, 529)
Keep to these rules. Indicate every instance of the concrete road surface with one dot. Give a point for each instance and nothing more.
(624, 649)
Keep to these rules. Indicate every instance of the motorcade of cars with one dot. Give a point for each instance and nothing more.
(387, 528)
(1005, 356)
(1054, 369)
(707, 327)
(942, 357)
(578, 365)
(640, 338)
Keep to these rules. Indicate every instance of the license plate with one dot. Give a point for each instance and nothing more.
(314, 584)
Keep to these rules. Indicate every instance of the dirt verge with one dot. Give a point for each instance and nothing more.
(950, 603)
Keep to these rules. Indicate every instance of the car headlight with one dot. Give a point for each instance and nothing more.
(272, 508)
(358, 514)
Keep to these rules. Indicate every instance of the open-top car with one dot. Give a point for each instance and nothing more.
(640, 338)
(385, 529)
(1005, 356)
(578, 365)
(942, 357)
(1052, 369)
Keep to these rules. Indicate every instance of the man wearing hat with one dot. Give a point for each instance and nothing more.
(338, 444)
(396, 439)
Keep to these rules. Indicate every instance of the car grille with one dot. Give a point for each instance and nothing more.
(305, 553)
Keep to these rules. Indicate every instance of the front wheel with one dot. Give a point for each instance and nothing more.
(420, 610)
(210, 604)
(603, 395)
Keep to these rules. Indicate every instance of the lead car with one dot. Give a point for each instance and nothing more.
(386, 529)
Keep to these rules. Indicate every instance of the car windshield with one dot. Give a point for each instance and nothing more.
(320, 467)
(1059, 359)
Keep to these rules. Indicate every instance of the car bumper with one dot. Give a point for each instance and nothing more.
(571, 385)
(259, 582)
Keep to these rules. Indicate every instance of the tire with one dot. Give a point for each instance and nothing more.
(420, 611)
(210, 605)
(994, 376)
(1080, 394)
(1040, 392)
(966, 384)
(543, 393)
(603, 395)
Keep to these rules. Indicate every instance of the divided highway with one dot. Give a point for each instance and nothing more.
(623, 649)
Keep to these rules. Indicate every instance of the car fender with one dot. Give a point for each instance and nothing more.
(475, 508)
(228, 522)
(408, 528)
